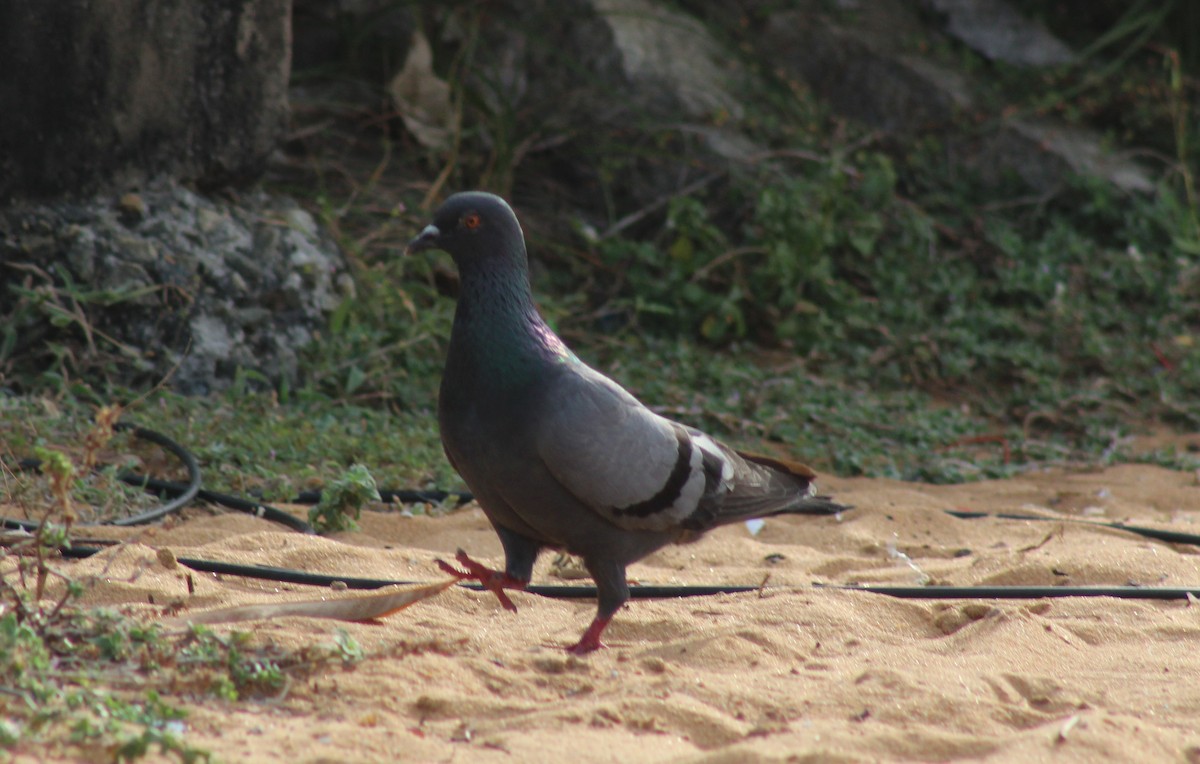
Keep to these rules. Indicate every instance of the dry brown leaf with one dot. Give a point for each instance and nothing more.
(422, 98)
(363, 608)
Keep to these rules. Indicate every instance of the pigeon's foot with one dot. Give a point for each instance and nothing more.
(590, 641)
(493, 580)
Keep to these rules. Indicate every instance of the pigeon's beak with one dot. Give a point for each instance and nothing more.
(427, 239)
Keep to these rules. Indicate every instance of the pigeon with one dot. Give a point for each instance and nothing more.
(558, 455)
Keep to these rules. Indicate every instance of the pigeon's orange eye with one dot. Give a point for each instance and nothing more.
(472, 220)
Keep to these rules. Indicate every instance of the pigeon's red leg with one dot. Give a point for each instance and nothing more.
(612, 592)
(590, 641)
(493, 580)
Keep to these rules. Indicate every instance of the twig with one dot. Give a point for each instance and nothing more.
(975, 440)
(723, 258)
(658, 204)
(1045, 540)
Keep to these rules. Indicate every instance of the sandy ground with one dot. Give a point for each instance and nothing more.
(790, 673)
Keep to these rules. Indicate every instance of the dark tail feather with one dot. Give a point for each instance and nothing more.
(814, 505)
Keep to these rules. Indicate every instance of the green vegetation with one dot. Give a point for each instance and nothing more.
(829, 284)
(62, 676)
(94, 682)
(342, 501)
(832, 285)
(1029, 311)
(64, 669)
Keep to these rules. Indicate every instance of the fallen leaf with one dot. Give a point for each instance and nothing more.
(422, 98)
(362, 608)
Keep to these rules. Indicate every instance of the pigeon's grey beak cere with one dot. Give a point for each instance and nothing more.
(557, 454)
(427, 239)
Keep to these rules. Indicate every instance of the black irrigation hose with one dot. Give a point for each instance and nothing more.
(1018, 592)
(185, 493)
(290, 576)
(258, 509)
(181, 453)
(287, 575)
(432, 496)
(554, 591)
(1171, 537)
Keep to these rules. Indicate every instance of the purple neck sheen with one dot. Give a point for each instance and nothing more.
(498, 332)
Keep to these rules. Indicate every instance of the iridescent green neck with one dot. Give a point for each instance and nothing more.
(499, 338)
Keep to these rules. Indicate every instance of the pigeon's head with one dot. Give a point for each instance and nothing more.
(472, 227)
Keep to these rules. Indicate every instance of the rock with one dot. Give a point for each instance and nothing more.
(995, 30)
(643, 74)
(863, 66)
(666, 51)
(367, 37)
(112, 93)
(1043, 151)
(862, 72)
(207, 285)
(637, 69)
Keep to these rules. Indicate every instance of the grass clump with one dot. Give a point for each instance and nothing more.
(61, 672)
(59, 662)
(247, 442)
(78, 680)
(342, 501)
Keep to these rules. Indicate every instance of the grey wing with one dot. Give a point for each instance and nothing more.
(637, 469)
